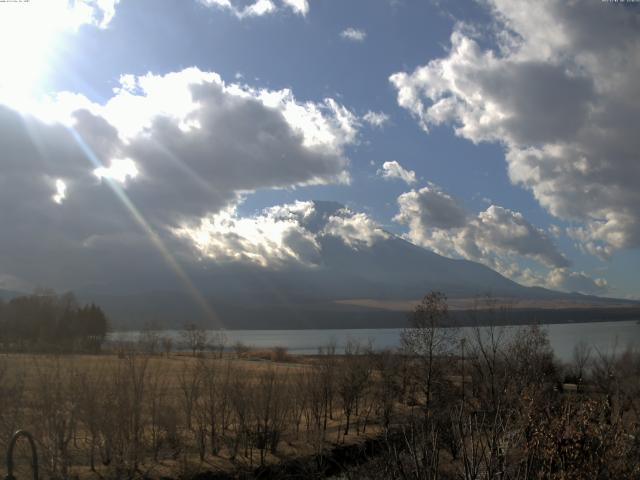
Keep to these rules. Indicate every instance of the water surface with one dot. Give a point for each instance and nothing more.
(607, 337)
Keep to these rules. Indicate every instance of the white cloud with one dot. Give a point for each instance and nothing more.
(272, 239)
(430, 208)
(562, 279)
(259, 8)
(120, 169)
(393, 170)
(560, 93)
(354, 34)
(61, 191)
(497, 237)
(376, 119)
(301, 7)
(355, 229)
(256, 9)
(279, 236)
(555, 231)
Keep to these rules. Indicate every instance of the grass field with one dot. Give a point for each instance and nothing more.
(143, 415)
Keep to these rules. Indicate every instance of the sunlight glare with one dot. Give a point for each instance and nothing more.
(119, 170)
(29, 37)
(61, 191)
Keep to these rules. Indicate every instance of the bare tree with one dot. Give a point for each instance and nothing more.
(327, 366)
(581, 358)
(488, 350)
(167, 345)
(56, 414)
(157, 402)
(189, 382)
(241, 349)
(218, 342)
(149, 338)
(387, 389)
(352, 380)
(194, 338)
(429, 339)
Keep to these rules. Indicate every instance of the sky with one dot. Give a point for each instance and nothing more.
(152, 136)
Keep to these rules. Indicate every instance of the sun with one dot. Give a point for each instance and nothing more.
(30, 34)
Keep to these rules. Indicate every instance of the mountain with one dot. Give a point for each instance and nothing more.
(368, 286)
(8, 294)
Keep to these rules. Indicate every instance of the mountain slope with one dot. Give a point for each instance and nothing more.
(249, 296)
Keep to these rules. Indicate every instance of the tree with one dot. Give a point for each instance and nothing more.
(194, 338)
(429, 338)
(353, 377)
(149, 338)
(219, 342)
(488, 344)
(48, 322)
(581, 358)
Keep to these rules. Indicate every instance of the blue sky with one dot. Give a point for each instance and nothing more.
(538, 200)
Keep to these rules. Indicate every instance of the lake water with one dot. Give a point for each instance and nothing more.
(605, 336)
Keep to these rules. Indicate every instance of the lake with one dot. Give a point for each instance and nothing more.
(604, 336)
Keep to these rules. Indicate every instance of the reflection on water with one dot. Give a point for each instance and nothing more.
(604, 336)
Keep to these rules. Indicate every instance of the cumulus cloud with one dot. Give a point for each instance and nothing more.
(559, 91)
(376, 119)
(354, 34)
(393, 169)
(430, 208)
(258, 8)
(280, 236)
(355, 229)
(95, 187)
(301, 7)
(274, 239)
(562, 279)
(497, 236)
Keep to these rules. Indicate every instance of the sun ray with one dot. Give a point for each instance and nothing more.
(150, 232)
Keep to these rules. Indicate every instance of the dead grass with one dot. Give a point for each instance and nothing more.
(31, 371)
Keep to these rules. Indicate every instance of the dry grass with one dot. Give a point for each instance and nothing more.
(60, 382)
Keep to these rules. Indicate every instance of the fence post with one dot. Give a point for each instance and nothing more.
(34, 454)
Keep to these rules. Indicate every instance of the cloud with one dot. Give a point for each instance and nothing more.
(102, 11)
(393, 169)
(273, 239)
(376, 119)
(96, 188)
(301, 7)
(497, 237)
(279, 236)
(355, 229)
(354, 34)
(562, 279)
(430, 208)
(559, 91)
(258, 8)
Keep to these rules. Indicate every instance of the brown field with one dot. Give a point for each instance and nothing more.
(441, 409)
(135, 415)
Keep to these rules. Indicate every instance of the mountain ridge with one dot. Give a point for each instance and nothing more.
(243, 295)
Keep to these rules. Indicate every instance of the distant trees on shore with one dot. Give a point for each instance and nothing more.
(46, 321)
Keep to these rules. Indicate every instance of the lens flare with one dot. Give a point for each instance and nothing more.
(149, 231)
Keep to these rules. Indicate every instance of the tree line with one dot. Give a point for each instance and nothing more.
(48, 322)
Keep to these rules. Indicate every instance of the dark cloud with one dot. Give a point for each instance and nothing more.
(195, 154)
